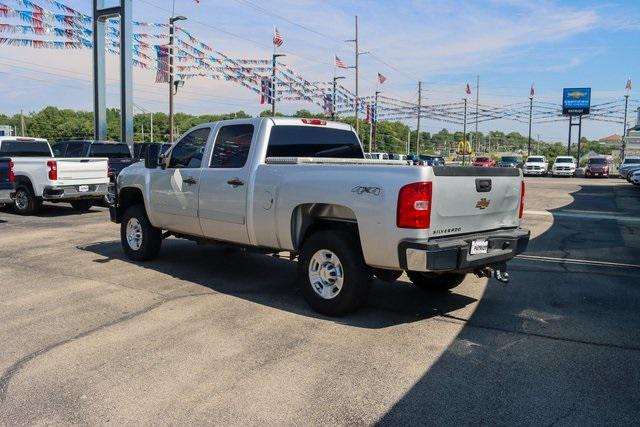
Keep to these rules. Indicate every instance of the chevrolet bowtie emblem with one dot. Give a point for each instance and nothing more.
(483, 203)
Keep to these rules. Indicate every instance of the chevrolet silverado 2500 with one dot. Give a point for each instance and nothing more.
(304, 186)
(39, 176)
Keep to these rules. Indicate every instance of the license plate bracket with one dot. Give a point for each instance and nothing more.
(479, 246)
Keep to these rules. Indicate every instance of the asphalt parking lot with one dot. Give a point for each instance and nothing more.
(211, 335)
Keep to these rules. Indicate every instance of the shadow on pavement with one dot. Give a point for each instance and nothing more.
(53, 210)
(270, 281)
(560, 344)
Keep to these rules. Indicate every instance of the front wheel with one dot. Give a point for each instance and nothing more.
(333, 276)
(140, 240)
(436, 281)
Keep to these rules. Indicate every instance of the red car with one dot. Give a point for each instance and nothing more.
(486, 162)
(597, 166)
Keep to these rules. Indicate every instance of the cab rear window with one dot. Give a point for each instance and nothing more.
(312, 141)
(111, 151)
(25, 149)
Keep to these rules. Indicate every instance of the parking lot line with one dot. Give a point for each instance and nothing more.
(577, 261)
(584, 215)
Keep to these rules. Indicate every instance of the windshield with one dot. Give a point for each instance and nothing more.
(111, 151)
(629, 161)
(536, 159)
(312, 141)
(597, 161)
(564, 160)
(25, 149)
(509, 159)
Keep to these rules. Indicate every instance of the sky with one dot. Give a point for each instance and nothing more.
(507, 43)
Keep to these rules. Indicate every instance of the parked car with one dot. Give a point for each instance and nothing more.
(118, 153)
(635, 178)
(628, 165)
(597, 166)
(379, 156)
(509, 162)
(39, 176)
(302, 185)
(140, 148)
(7, 178)
(426, 160)
(536, 165)
(485, 162)
(564, 166)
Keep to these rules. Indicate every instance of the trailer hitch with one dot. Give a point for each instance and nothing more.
(498, 272)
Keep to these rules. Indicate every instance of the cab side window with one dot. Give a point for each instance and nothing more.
(232, 146)
(188, 152)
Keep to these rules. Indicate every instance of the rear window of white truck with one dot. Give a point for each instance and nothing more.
(312, 141)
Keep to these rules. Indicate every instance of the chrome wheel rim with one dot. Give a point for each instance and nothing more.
(326, 274)
(22, 201)
(134, 234)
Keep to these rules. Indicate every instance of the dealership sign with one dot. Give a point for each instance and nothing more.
(576, 101)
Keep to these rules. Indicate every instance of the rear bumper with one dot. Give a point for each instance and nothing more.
(453, 253)
(72, 192)
(6, 196)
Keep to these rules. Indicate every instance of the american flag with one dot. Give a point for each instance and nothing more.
(628, 86)
(340, 63)
(277, 38)
(162, 75)
(532, 92)
(467, 90)
(381, 78)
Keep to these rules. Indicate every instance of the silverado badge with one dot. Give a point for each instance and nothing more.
(483, 203)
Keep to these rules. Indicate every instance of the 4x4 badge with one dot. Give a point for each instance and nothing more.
(483, 203)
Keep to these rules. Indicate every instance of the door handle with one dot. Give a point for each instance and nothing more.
(190, 180)
(235, 182)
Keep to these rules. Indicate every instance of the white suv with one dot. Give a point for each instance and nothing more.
(564, 166)
(535, 165)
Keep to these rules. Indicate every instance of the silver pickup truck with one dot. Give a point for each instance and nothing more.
(304, 186)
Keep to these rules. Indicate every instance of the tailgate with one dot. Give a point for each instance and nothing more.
(82, 171)
(4, 174)
(473, 199)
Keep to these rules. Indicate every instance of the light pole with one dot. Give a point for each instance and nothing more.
(172, 20)
(333, 105)
(530, 113)
(624, 126)
(464, 132)
(374, 121)
(273, 82)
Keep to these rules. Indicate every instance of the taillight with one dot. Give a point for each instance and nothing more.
(12, 174)
(53, 170)
(521, 212)
(314, 122)
(414, 205)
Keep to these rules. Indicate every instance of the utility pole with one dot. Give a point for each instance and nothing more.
(419, 114)
(538, 145)
(464, 132)
(408, 139)
(142, 138)
(333, 106)
(624, 126)
(21, 123)
(530, 114)
(172, 20)
(374, 121)
(477, 100)
(356, 67)
(151, 116)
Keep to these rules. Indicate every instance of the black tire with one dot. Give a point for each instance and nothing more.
(26, 203)
(436, 281)
(148, 247)
(82, 205)
(356, 275)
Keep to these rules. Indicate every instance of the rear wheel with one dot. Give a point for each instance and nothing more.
(333, 276)
(140, 240)
(81, 205)
(436, 281)
(26, 203)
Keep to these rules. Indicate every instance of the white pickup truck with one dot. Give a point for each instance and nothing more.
(39, 176)
(304, 186)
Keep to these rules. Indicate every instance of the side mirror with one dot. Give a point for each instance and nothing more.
(151, 156)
